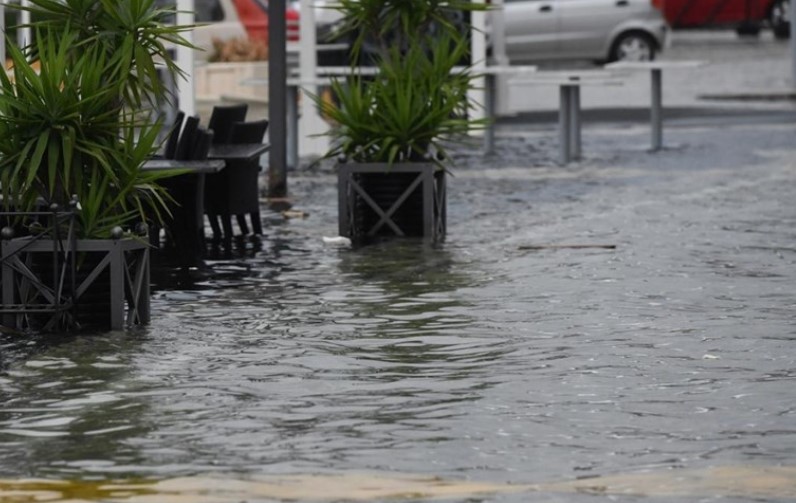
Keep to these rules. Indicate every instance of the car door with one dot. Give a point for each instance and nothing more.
(706, 13)
(587, 25)
(531, 29)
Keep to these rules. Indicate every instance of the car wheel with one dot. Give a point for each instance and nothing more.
(633, 46)
(779, 18)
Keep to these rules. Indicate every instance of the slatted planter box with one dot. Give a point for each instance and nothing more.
(380, 201)
(97, 283)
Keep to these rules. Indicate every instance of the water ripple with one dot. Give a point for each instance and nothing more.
(471, 358)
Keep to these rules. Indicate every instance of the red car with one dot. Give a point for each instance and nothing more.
(234, 19)
(746, 16)
(255, 19)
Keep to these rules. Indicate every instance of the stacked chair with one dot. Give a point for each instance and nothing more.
(185, 226)
(223, 117)
(235, 189)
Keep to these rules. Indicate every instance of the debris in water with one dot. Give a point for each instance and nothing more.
(295, 214)
(572, 246)
(340, 241)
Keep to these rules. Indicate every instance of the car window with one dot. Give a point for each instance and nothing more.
(208, 11)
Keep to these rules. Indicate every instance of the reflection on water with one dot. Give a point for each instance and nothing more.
(66, 407)
(623, 371)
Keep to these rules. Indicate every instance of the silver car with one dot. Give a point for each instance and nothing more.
(599, 30)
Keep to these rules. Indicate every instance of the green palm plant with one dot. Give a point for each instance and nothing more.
(414, 107)
(76, 113)
(384, 24)
(417, 103)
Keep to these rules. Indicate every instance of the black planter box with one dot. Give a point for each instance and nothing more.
(378, 201)
(97, 283)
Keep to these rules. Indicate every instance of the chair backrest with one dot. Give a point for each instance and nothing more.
(173, 137)
(248, 132)
(187, 138)
(201, 145)
(222, 117)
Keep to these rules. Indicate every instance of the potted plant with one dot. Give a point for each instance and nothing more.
(77, 123)
(391, 130)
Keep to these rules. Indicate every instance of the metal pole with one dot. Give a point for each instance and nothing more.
(292, 125)
(476, 94)
(277, 99)
(574, 122)
(499, 57)
(792, 12)
(24, 34)
(185, 87)
(489, 134)
(564, 128)
(656, 110)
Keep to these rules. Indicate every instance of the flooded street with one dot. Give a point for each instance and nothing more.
(620, 327)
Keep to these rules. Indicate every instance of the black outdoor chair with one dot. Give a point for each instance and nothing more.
(223, 117)
(249, 132)
(177, 146)
(235, 190)
(188, 139)
(170, 148)
(185, 227)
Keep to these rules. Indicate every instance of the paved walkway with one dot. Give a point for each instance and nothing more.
(738, 68)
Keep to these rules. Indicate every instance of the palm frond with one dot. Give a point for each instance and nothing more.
(73, 126)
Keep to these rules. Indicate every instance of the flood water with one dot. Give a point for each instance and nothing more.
(653, 345)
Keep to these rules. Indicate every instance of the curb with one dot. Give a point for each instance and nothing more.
(780, 96)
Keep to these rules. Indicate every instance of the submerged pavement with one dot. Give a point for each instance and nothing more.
(620, 328)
